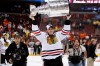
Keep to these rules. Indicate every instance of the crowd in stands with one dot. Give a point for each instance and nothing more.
(11, 25)
(14, 24)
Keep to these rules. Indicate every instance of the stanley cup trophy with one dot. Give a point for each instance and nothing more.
(53, 8)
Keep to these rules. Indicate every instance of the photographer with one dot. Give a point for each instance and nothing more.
(17, 53)
(75, 54)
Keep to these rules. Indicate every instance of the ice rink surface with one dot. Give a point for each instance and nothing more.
(37, 61)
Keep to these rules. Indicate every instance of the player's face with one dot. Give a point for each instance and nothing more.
(50, 31)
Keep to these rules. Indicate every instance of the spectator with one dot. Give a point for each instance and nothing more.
(90, 48)
(97, 52)
(2, 49)
(17, 52)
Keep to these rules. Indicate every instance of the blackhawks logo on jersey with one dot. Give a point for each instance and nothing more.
(52, 40)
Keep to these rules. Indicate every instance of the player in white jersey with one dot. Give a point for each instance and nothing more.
(52, 49)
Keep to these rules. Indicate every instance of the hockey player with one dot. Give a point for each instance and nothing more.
(52, 49)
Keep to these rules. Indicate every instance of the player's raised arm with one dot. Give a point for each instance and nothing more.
(35, 29)
(66, 28)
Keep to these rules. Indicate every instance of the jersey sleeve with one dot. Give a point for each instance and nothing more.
(64, 32)
(36, 32)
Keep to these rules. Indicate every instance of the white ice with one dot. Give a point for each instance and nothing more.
(37, 61)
